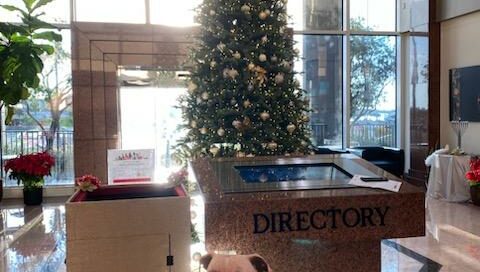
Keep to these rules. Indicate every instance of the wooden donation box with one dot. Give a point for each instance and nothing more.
(129, 228)
(301, 214)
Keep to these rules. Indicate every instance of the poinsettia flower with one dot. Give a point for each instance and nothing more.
(88, 183)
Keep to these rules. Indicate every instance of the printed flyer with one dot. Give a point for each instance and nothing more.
(131, 166)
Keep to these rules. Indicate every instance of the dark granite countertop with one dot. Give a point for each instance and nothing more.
(207, 172)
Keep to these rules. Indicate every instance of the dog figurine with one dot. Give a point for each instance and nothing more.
(234, 263)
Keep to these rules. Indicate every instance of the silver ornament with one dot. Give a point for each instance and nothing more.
(237, 124)
(279, 78)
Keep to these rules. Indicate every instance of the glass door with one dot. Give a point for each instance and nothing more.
(149, 116)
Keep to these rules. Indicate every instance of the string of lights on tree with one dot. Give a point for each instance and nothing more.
(243, 99)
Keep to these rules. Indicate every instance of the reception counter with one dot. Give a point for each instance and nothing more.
(301, 214)
(126, 228)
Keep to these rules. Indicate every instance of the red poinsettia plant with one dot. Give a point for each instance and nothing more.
(30, 169)
(473, 176)
(88, 183)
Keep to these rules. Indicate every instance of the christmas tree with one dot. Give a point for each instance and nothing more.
(243, 98)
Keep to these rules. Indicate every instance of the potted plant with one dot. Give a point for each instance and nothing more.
(30, 170)
(473, 177)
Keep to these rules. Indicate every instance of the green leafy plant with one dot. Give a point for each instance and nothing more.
(21, 47)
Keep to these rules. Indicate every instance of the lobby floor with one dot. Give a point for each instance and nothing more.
(33, 239)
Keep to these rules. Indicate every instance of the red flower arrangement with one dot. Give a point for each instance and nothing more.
(30, 169)
(88, 183)
(473, 176)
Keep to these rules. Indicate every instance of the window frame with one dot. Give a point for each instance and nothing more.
(346, 33)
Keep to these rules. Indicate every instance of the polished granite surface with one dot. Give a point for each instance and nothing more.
(33, 239)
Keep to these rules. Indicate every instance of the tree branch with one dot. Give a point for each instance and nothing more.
(33, 117)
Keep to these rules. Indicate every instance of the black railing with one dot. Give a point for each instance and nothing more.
(372, 134)
(15, 142)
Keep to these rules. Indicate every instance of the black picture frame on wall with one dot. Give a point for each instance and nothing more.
(465, 94)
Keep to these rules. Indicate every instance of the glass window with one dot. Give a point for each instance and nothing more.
(181, 13)
(321, 77)
(373, 15)
(373, 90)
(111, 11)
(316, 14)
(45, 120)
(58, 11)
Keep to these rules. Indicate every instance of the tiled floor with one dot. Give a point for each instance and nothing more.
(33, 239)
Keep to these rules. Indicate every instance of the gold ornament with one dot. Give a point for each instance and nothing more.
(305, 118)
(262, 57)
(203, 131)
(263, 15)
(264, 116)
(246, 103)
(245, 9)
(237, 55)
(264, 39)
(221, 46)
(247, 122)
(213, 64)
(272, 145)
(193, 124)
(214, 150)
(304, 143)
(291, 128)
(221, 132)
(251, 66)
(205, 96)
(232, 73)
(274, 58)
(192, 87)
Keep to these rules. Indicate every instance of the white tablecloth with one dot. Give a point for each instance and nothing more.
(447, 178)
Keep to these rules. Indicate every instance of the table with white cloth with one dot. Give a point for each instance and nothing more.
(447, 178)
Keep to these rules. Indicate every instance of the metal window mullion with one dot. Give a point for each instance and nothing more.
(73, 15)
(373, 33)
(318, 32)
(147, 12)
(400, 78)
(346, 76)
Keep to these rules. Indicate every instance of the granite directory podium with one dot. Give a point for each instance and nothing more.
(301, 214)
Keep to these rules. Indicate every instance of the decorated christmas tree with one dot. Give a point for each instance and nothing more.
(243, 98)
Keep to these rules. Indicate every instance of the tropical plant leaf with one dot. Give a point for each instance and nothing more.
(40, 3)
(46, 48)
(29, 4)
(48, 35)
(35, 23)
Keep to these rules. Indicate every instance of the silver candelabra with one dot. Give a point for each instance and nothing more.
(459, 127)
